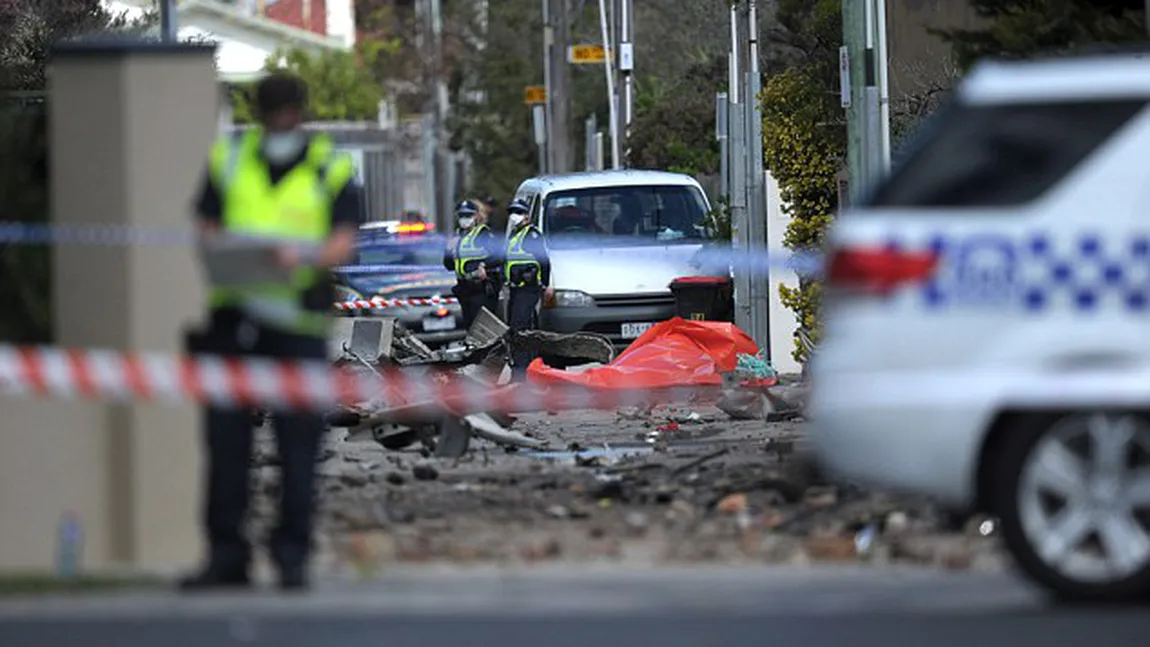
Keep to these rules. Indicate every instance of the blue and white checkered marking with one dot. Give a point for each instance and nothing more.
(1038, 273)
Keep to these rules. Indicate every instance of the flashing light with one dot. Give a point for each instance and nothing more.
(442, 312)
(413, 227)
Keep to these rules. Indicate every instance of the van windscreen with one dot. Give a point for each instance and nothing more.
(625, 215)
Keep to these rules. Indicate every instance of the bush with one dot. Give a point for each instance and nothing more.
(25, 270)
(804, 151)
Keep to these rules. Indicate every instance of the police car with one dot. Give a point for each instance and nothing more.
(404, 260)
(987, 320)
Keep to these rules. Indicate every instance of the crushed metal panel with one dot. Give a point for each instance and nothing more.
(580, 345)
(486, 329)
(371, 338)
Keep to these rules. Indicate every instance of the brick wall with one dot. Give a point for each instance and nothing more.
(292, 12)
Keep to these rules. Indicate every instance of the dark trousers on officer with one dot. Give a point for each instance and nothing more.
(521, 316)
(228, 435)
(474, 297)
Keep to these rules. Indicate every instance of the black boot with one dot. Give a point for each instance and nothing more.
(214, 578)
(293, 577)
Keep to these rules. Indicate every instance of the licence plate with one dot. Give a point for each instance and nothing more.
(633, 330)
(438, 324)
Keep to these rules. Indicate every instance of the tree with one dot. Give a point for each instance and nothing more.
(28, 28)
(342, 85)
(674, 124)
(1020, 28)
(804, 139)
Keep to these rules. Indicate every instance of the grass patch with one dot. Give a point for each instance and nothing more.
(27, 584)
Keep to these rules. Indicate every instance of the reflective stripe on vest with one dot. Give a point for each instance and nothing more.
(517, 257)
(469, 254)
(298, 207)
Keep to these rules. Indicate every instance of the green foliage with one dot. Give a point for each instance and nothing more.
(804, 142)
(1020, 28)
(496, 132)
(27, 31)
(342, 85)
(674, 124)
(718, 221)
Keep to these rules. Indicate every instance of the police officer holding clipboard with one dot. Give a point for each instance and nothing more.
(293, 200)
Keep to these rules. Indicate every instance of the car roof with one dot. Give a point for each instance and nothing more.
(1098, 76)
(624, 177)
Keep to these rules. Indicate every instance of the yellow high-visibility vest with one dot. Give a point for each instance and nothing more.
(517, 257)
(298, 207)
(470, 254)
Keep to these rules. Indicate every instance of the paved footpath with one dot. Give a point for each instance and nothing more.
(600, 606)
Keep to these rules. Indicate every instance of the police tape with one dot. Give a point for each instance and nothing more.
(380, 303)
(722, 256)
(275, 384)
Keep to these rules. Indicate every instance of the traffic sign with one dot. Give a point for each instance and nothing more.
(534, 94)
(583, 54)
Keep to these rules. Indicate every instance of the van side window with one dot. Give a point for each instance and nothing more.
(1002, 155)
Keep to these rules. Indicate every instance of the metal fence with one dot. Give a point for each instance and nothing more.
(378, 156)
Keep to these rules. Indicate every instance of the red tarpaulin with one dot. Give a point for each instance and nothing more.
(672, 353)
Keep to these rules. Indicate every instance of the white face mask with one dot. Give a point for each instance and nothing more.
(466, 222)
(516, 219)
(281, 148)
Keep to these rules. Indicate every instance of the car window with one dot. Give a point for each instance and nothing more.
(1001, 155)
(625, 215)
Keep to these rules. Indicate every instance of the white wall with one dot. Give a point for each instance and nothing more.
(341, 20)
(783, 321)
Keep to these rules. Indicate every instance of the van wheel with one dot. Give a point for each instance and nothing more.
(1073, 495)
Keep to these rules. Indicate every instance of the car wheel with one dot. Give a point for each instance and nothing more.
(1073, 496)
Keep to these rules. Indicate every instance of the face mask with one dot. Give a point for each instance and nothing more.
(466, 222)
(516, 219)
(281, 148)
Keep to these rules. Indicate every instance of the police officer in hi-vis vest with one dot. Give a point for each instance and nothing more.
(527, 271)
(280, 182)
(474, 255)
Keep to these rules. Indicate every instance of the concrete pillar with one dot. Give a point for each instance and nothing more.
(130, 126)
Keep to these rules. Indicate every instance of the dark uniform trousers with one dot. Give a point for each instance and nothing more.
(229, 434)
(522, 316)
(473, 297)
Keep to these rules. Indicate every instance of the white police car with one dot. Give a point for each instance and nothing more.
(987, 318)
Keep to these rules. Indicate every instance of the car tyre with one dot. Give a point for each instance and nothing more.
(1020, 464)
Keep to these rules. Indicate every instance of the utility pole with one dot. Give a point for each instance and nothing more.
(854, 31)
(559, 92)
(756, 186)
(626, 67)
(548, 116)
(737, 167)
(612, 106)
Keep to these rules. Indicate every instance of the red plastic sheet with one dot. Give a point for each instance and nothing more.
(672, 353)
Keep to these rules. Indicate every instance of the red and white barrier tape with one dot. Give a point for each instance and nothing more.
(379, 302)
(257, 382)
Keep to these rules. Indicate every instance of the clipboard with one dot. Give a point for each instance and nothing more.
(233, 262)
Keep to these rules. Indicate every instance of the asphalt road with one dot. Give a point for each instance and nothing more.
(811, 607)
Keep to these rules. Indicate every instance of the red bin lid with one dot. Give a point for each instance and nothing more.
(701, 280)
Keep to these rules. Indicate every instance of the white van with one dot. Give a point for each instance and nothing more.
(986, 333)
(617, 239)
